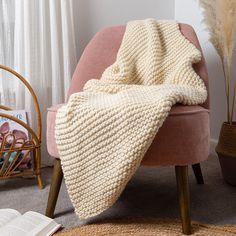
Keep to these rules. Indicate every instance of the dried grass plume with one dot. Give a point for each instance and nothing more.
(220, 19)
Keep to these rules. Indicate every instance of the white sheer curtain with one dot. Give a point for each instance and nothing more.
(44, 50)
(7, 50)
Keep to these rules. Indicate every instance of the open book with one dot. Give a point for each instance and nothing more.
(12, 223)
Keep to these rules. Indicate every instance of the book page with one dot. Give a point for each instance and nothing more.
(45, 227)
(30, 224)
(7, 215)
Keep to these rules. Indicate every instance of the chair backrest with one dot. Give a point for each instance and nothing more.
(102, 50)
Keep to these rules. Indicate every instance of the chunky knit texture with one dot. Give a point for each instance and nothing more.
(103, 132)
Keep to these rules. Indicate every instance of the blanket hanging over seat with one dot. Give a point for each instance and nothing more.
(103, 133)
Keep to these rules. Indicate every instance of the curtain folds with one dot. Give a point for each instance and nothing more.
(42, 47)
(7, 50)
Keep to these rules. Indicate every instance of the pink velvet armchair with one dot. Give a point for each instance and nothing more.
(183, 139)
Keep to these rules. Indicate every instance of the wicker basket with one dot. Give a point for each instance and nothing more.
(226, 150)
(11, 154)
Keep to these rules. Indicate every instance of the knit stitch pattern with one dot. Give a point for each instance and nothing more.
(103, 133)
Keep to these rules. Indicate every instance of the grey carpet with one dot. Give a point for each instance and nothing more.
(151, 193)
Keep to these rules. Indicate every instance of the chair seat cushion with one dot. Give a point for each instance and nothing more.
(182, 140)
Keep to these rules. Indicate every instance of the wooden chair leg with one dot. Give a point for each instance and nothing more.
(198, 173)
(54, 188)
(183, 192)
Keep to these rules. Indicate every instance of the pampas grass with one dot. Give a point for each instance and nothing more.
(220, 19)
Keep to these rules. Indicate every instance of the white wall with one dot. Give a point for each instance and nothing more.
(92, 15)
(188, 11)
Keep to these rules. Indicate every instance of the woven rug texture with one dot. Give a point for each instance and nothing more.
(147, 227)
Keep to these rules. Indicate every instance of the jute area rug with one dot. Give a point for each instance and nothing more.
(146, 227)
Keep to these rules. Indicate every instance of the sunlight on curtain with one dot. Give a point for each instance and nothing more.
(45, 51)
(7, 51)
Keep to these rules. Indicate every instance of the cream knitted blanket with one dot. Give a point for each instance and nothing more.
(103, 132)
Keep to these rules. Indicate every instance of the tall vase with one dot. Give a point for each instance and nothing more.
(226, 150)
